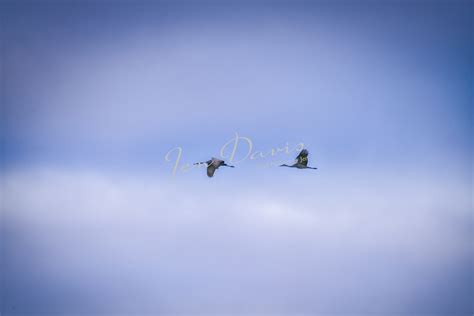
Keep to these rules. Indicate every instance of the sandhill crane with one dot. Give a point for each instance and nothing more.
(301, 161)
(213, 165)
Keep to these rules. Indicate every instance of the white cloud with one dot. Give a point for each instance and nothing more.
(180, 247)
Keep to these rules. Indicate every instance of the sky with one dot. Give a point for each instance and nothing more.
(105, 106)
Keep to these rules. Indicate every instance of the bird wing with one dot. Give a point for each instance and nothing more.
(302, 158)
(210, 170)
(216, 162)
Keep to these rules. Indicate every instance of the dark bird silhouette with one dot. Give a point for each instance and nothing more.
(301, 161)
(213, 165)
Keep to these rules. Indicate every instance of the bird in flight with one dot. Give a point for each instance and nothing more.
(301, 161)
(213, 165)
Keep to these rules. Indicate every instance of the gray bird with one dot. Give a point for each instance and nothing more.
(301, 161)
(213, 165)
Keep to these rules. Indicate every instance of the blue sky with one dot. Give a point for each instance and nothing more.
(95, 94)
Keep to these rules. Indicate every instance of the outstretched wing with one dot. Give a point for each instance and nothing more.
(210, 170)
(302, 158)
(216, 162)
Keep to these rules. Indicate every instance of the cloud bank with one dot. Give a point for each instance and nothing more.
(87, 242)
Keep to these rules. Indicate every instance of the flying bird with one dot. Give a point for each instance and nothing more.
(213, 165)
(301, 161)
